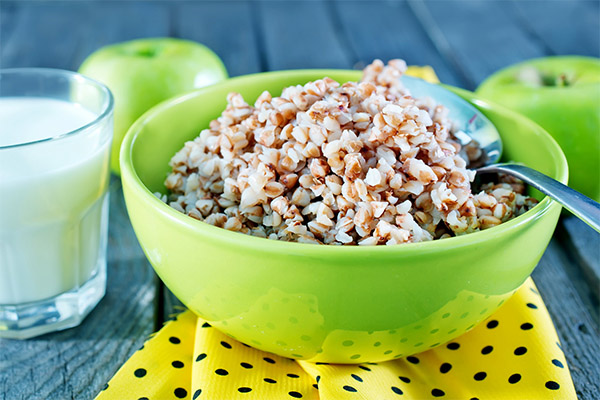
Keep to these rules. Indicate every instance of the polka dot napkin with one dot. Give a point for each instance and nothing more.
(514, 354)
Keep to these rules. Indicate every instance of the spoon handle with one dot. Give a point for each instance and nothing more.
(581, 206)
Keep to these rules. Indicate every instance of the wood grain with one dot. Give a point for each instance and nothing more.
(127, 20)
(546, 19)
(7, 23)
(480, 37)
(60, 34)
(398, 35)
(232, 37)
(583, 244)
(298, 34)
(40, 37)
(576, 327)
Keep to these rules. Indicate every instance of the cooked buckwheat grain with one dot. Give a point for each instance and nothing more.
(358, 163)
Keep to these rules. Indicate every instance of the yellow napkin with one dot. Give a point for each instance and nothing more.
(514, 354)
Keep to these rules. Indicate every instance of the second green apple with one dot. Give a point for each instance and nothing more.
(562, 94)
(142, 73)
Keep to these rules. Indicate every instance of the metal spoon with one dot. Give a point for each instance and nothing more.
(473, 125)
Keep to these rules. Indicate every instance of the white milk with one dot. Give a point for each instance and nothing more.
(53, 202)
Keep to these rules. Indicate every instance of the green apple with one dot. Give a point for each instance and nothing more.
(144, 72)
(562, 94)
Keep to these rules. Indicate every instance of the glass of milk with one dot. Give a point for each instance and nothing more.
(55, 133)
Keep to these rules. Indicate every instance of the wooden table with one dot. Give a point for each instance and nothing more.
(464, 41)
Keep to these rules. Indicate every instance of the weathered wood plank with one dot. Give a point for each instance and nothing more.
(226, 28)
(583, 244)
(479, 37)
(128, 20)
(565, 27)
(61, 34)
(78, 362)
(8, 18)
(576, 326)
(386, 30)
(39, 39)
(123, 245)
(300, 35)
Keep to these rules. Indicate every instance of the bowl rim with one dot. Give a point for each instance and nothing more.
(134, 183)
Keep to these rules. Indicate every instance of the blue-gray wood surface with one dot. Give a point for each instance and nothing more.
(464, 41)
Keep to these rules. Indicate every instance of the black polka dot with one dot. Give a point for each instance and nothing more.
(445, 367)
(552, 385)
(558, 363)
(225, 344)
(201, 357)
(531, 305)
(269, 360)
(316, 386)
(180, 393)
(221, 372)
(177, 364)
(318, 378)
(519, 351)
(140, 372)
(356, 377)
(480, 376)
(246, 365)
(244, 389)
(526, 326)
(321, 363)
(397, 390)
(295, 395)
(269, 380)
(206, 325)
(105, 387)
(492, 324)
(404, 379)
(473, 398)
(514, 378)
(348, 388)
(412, 359)
(196, 394)
(293, 376)
(174, 340)
(487, 350)
(143, 398)
(364, 368)
(437, 393)
(453, 346)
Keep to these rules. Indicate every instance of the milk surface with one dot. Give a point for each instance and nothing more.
(53, 202)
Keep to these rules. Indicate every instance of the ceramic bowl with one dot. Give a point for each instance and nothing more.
(329, 303)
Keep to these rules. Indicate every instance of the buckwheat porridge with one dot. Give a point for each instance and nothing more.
(358, 163)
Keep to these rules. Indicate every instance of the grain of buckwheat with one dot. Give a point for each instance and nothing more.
(359, 163)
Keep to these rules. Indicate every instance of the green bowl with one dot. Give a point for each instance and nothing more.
(329, 303)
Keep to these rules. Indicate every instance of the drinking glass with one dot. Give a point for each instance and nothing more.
(55, 134)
